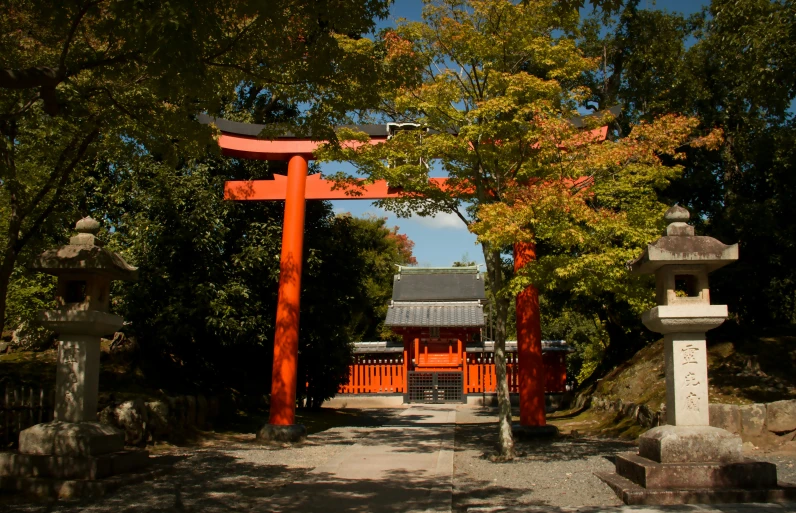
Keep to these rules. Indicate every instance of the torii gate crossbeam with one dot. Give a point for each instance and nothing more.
(240, 140)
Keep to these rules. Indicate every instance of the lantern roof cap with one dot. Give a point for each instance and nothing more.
(681, 246)
(85, 253)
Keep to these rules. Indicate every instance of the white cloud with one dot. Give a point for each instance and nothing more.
(441, 221)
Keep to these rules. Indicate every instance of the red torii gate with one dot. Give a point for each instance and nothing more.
(241, 140)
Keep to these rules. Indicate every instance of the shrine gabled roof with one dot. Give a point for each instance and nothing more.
(438, 284)
(452, 314)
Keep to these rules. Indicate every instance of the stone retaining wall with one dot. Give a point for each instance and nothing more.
(752, 420)
(149, 421)
(749, 421)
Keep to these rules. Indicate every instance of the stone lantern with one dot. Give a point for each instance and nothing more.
(688, 461)
(60, 457)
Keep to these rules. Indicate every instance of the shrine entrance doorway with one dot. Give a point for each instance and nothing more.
(436, 387)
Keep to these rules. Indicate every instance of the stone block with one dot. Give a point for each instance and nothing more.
(726, 416)
(71, 439)
(634, 494)
(685, 476)
(286, 434)
(132, 419)
(753, 419)
(690, 444)
(71, 467)
(781, 416)
(158, 417)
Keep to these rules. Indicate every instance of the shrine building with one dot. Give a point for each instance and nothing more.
(442, 315)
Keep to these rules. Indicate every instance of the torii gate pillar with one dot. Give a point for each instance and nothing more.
(529, 349)
(282, 413)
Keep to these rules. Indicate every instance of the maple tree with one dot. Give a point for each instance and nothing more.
(495, 93)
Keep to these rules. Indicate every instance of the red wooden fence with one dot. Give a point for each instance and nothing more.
(479, 376)
(370, 378)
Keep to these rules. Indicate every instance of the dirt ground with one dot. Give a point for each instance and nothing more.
(227, 472)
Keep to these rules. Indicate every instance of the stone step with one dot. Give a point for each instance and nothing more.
(651, 474)
(633, 494)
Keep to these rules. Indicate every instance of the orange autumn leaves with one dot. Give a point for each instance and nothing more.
(596, 204)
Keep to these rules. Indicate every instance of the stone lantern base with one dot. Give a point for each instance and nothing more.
(693, 465)
(71, 459)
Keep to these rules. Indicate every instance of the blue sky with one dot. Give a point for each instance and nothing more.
(442, 240)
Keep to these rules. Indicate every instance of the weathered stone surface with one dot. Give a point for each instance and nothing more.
(686, 379)
(71, 439)
(132, 419)
(634, 494)
(650, 474)
(753, 419)
(726, 416)
(158, 419)
(678, 444)
(286, 434)
(781, 416)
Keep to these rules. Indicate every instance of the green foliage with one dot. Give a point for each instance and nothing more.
(203, 310)
(82, 78)
(739, 75)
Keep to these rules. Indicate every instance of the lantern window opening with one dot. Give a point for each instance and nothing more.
(685, 285)
(75, 291)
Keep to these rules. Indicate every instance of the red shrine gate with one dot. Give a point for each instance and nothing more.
(241, 140)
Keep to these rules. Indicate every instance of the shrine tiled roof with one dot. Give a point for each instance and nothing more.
(438, 314)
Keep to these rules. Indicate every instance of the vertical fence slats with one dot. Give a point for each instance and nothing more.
(375, 378)
(19, 410)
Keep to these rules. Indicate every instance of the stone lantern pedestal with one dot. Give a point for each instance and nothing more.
(687, 460)
(74, 455)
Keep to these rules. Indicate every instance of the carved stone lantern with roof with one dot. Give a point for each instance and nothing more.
(688, 461)
(67, 456)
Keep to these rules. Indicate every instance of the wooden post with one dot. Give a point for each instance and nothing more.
(283, 381)
(529, 345)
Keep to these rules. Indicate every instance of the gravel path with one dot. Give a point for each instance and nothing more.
(551, 472)
(240, 476)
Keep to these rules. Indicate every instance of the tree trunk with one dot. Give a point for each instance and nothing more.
(495, 272)
(9, 259)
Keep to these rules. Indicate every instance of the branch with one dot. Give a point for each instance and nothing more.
(75, 23)
(81, 151)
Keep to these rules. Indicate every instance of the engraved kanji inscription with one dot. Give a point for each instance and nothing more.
(691, 380)
(689, 353)
(692, 402)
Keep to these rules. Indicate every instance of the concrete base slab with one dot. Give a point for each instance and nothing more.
(47, 488)
(18, 465)
(281, 434)
(632, 494)
(524, 432)
(690, 444)
(653, 475)
(75, 439)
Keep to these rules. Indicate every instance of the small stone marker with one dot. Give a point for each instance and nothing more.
(66, 457)
(688, 461)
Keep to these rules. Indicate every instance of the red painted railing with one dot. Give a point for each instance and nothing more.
(481, 378)
(370, 378)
